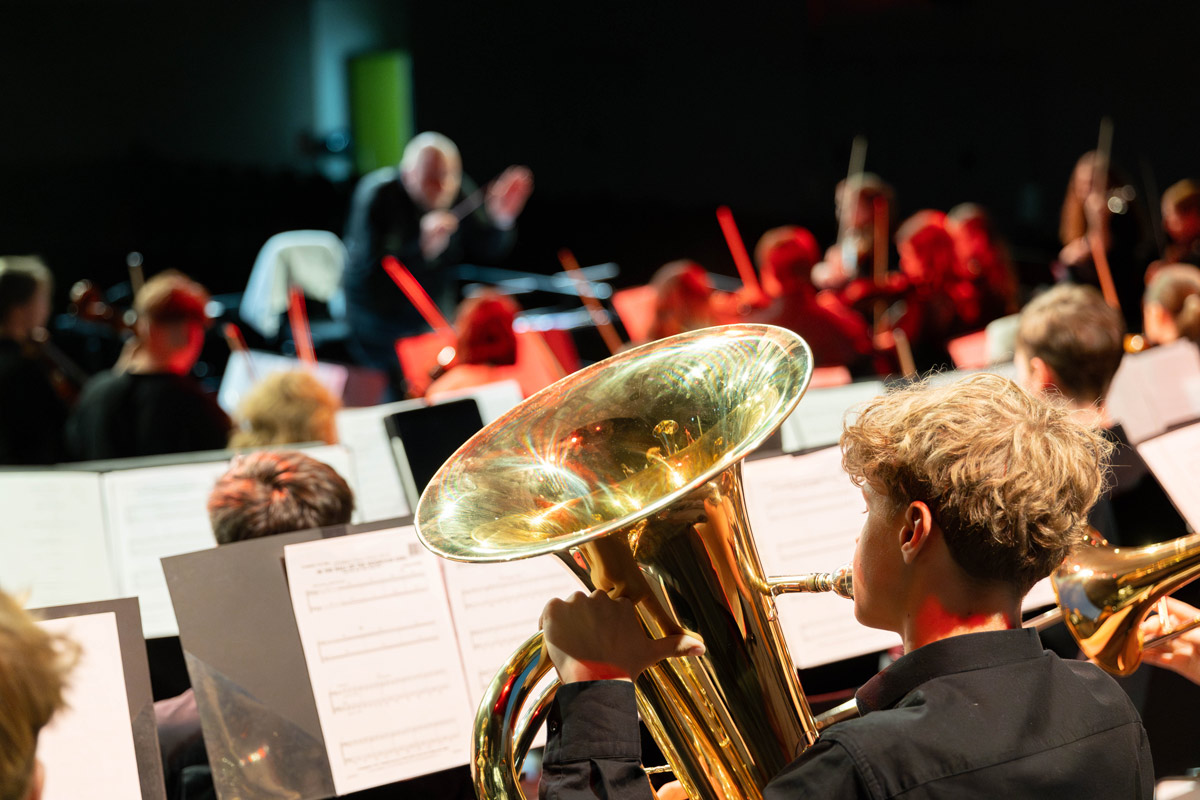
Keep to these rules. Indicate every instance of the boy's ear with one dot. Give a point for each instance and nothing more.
(918, 526)
(1041, 373)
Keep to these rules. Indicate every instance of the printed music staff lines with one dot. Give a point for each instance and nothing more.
(378, 641)
(382, 654)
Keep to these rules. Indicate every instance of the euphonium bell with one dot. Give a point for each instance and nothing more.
(630, 472)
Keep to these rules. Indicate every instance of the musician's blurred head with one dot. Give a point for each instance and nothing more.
(485, 330)
(1108, 182)
(171, 320)
(1069, 342)
(927, 252)
(872, 191)
(1005, 477)
(786, 257)
(1181, 211)
(684, 301)
(286, 408)
(431, 170)
(272, 492)
(25, 288)
(33, 677)
(1171, 306)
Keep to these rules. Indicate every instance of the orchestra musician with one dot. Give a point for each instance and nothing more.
(486, 345)
(289, 407)
(32, 413)
(983, 262)
(148, 404)
(1068, 348)
(974, 492)
(926, 299)
(1171, 305)
(1181, 223)
(261, 494)
(684, 300)
(862, 203)
(1181, 654)
(426, 213)
(837, 335)
(1099, 216)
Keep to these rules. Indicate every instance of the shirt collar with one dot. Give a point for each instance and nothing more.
(963, 653)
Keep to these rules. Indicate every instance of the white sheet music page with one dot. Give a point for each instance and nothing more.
(806, 516)
(380, 494)
(1154, 390)
(496, 607)
(817, 420)
(87, 749)
(379, 642)
(53, 540)
(1174, 458)
(154, 513)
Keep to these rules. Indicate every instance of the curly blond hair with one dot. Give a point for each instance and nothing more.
(287, 408)
(33, 675)
(1009, 477)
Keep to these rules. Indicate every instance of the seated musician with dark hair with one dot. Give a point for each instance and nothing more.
(31, 412)
(1069, 345)
(148, 404)
(272, 492)
(261, 494)
(973, 492)
(837, 335)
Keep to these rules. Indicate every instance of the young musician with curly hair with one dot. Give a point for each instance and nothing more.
(973, 492)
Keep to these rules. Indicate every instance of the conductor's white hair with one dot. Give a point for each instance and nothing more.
(430, 140)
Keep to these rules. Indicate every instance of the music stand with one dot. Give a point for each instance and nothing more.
(423, 438)
(136, 673)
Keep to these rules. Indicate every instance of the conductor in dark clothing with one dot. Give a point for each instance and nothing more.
(148, 404)
(428, 215)
(31, 412)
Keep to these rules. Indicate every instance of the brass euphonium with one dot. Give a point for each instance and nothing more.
(630, 472)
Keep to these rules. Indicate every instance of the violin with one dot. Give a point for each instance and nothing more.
(89, 303)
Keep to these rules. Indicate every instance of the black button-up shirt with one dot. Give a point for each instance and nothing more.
(978, 715)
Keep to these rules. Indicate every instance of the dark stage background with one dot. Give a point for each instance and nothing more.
(189, 129)
(183, 129)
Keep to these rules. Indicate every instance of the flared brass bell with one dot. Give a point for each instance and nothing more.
(630, 472)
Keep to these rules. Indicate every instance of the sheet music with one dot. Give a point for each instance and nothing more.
(496, 607)
(1042, 594)
(87, 749)
(817, 420)
(1174, 458)
(153, 513)
(243, 371)
(1154, 390)
(380, 493)
(806, 516)
(382, 657)
(53, 538)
